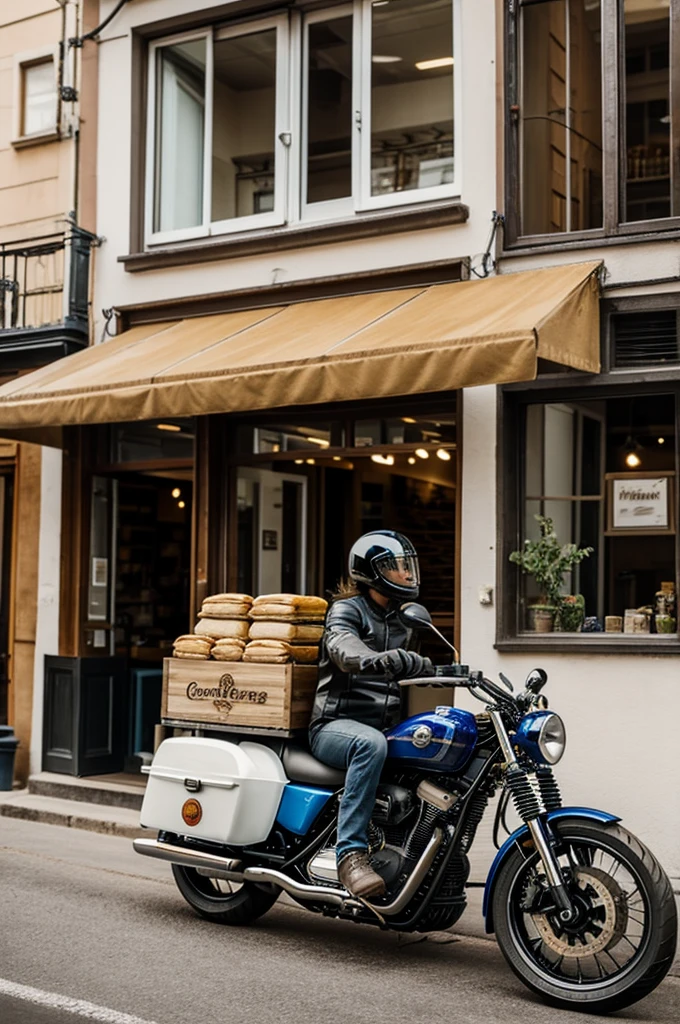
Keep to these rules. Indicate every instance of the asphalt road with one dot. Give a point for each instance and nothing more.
(84, 918)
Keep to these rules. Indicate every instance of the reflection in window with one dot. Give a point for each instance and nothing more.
(39, 112)
(574, 455)
(411, 95)
(648, 122)
(329, 113)
(153, 440)
(244, 119)
(180, 120)
(561, 116)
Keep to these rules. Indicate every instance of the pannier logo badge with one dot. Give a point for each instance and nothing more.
(192, 812)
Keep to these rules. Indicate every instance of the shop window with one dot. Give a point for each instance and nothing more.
(38, 114)
(227, 149)
(651, 338)
(568, 104)
(306, 488)
(152, 440)
(603, 471)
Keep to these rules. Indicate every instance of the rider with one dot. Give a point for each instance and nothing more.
(363, 655)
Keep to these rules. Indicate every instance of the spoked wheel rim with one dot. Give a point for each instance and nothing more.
(611, 930)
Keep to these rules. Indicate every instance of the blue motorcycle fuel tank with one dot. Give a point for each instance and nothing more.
(442, 739)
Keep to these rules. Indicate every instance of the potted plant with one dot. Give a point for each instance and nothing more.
(548, 562)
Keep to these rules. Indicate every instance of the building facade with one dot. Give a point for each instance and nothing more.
(46, 217)
(322, 325)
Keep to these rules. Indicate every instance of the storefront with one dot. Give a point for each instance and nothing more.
(245, 450)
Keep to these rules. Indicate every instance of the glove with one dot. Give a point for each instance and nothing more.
(400, 664)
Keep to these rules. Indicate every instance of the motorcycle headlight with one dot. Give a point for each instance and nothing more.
(542, 736)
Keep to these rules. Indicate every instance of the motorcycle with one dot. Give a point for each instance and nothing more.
(582, 911)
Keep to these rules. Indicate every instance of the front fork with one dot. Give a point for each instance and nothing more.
(529, 809)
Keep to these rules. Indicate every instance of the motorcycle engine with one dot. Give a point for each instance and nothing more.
(401, 826)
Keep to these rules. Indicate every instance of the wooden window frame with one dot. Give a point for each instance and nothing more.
(613, 133)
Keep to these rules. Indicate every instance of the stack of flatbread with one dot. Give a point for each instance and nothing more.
(224, 617)
(228, 649)
(285, 627)
(192, 647)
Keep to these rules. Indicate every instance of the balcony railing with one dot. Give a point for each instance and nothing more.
(44, 282)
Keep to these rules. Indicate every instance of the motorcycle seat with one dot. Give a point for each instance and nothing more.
(301, 766)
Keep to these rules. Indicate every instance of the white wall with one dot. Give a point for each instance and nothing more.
(49, 567)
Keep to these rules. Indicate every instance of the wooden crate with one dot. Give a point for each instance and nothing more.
(238, 693)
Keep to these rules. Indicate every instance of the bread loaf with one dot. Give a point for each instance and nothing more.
(190, 657)
(229, 649)
(224, 610)
(294, 602)
(285, 613)
(228, 598)
(268, 651)
(190, 643)
(222, 628)
(292, 631)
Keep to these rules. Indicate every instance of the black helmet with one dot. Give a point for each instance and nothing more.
(387, 562)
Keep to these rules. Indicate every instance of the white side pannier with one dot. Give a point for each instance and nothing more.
(212, 789)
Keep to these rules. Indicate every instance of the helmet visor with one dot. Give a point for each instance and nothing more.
(398, 570)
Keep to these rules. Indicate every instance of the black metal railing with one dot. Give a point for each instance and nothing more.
(44, 281)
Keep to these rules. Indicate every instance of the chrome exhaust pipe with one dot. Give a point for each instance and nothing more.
(224, 867)
(205, 863)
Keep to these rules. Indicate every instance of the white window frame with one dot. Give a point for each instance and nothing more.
(290, 143)
(200, 230)
(22, 61)
(366, 201)
(235, 224)
(332, 208)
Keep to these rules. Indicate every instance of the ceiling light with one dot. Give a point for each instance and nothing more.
(632, 451)
(385, 58)
(168, 426)
(310, 462)
(430, 65)
(443, 455)
(299, 462)
(384, 460)
(407, 419)
(318, 440)
(181, 504)
(176, 492)
(336, 458)
(411, 460)
(422, 453)
(661, 440)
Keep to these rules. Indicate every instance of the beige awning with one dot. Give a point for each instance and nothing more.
(373, 346)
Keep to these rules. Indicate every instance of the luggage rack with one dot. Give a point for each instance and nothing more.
(201, 728)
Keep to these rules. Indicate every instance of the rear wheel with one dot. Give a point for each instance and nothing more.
(622, 942)
(225, 902)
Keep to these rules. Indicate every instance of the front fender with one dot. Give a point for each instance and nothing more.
(587, 813)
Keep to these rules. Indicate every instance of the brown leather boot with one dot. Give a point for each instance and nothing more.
(357, 875)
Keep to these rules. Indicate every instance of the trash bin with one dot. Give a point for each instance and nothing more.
(8, 748)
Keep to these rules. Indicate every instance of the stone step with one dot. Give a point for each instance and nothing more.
(91, 791)
(52, 810)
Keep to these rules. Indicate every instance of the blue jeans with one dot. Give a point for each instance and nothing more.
(361, 749)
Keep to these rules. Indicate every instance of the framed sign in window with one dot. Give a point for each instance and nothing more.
(640, 503)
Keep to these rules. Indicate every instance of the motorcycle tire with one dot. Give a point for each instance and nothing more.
(224, 902)
(626, 908)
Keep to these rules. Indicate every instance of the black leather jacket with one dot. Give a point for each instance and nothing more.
(351, 684)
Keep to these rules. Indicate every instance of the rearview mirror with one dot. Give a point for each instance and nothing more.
(536, 680)
(415, 615)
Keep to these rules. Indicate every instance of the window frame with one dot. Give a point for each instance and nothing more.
(511, 401)
(23, 61)
(208, 227)
(290, 206)
(613, 133)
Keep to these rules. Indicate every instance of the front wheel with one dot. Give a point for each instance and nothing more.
(621, 944)
(235, 903)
